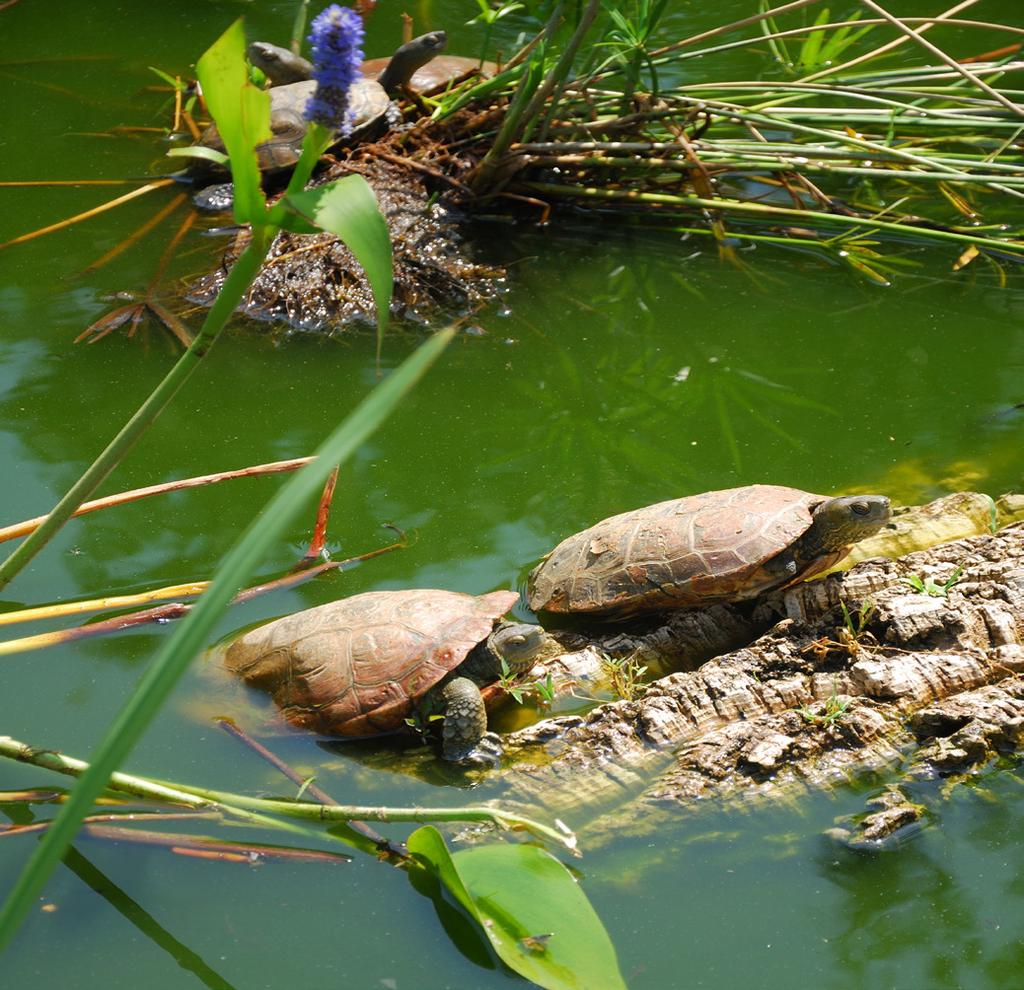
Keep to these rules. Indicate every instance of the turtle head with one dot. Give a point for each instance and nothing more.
(409, 57)
(518, 644)
(279, 65)
(839, 522)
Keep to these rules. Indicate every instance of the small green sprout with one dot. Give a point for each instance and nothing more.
(929, 586)
(543, 689)
(626, 675)
(835, 709)
(506, 681)
(856, 622)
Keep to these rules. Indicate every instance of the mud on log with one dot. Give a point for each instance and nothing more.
(313, 282)
(930, 685)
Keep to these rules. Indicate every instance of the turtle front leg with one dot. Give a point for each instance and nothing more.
(465, 722)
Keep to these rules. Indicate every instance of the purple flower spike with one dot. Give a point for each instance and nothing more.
(337, 39)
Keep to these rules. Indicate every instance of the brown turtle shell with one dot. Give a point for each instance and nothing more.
(439, 73)
(682, 553)
(358, 666)
(368, 105)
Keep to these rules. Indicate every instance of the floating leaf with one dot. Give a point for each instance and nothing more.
(531, 909)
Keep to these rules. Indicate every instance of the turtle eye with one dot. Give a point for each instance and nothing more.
(517, 640)
(860, 508)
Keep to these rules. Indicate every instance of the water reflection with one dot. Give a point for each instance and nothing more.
(932, 911)
(146, 924)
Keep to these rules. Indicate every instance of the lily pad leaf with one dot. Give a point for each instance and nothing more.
(531, 909)
(242, 114)
(348, 208)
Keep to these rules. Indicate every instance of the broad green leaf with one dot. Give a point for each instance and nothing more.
(428, 846)
(242, 114)
(193, 634)
(348, 208)
(531, 909)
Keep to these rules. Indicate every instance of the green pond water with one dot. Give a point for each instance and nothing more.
(574, 405)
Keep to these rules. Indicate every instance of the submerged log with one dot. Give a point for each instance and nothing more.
(928, 682)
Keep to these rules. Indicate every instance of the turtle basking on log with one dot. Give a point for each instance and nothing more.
(362, 666)
(282, 66)
(415, 66)
(724, 546)
(371, 110)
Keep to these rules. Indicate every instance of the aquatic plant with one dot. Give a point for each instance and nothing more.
(840, 158)
(512, 920)
(336, 37)
(929, 586)
(835, 708)
(349, 210)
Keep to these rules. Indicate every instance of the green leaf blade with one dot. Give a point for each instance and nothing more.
(348, 208)
(191, 637)
(242, 115)
(200, 151)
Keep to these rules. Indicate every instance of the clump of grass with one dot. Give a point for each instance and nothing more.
(626, 675)
(855, 623)
(843, 159)
(836, 707)
(852, 637)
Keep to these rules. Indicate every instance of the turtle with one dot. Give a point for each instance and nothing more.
(282, 66)
(722, 546)
(362, 666)
(369, 100)
(436, 75)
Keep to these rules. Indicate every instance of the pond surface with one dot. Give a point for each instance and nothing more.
(574, 405)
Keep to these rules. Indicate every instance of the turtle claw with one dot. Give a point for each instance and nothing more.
(488, 752)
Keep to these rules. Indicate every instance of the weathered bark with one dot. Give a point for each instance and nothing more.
(931, 679)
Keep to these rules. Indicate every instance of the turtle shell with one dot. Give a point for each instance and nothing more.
(682, 553)
(368, 106)
(439, 73)
(358, 666)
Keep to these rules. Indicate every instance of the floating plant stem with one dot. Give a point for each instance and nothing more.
(1015, 248)
(260, 811)
(124, 498)
(970, 76)
(88, 214)
(237, 282)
